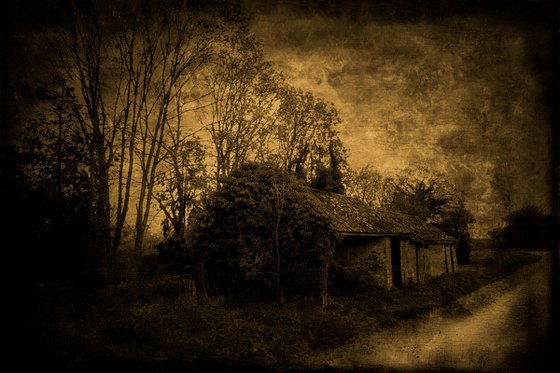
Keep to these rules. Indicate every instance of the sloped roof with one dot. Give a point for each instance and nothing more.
(351, 216)
(421, 231)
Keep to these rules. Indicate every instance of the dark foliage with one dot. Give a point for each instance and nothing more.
(154, 321)
(456, 223)
(527, 227)
(51, 191)
(46, 219)
(436, 201)
(260, 236)
(330, 179)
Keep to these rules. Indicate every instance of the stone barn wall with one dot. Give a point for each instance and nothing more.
(437, 264)
(367, 259)
(421, 262)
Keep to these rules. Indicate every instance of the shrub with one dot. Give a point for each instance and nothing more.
(261, 236)
(528, 227)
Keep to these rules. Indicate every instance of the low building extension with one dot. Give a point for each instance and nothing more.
(386, 248)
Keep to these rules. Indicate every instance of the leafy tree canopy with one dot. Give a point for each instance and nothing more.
(261, 235)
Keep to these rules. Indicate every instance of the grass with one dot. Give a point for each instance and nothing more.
(148, 325)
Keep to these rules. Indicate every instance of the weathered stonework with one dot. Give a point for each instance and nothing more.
(386, 248)
(368, 259)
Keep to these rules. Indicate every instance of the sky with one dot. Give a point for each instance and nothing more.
(466, 93)
(462, 87)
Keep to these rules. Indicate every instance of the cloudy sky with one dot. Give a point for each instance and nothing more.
(464, 87)
(462, 91)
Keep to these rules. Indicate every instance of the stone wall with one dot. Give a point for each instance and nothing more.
(421, 262)
(368, 260)
(435, 260)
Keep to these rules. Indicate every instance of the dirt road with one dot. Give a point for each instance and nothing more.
(504, 329)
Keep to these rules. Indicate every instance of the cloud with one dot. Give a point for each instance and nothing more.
(458, 96)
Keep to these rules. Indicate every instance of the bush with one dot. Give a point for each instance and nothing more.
(261, 236)
(172, 253)
(528, 227)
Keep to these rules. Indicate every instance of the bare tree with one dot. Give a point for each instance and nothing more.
(182, 179)
(279, 197)
(175, 44)
(369, 186)
(123, 70)
(243, 91)
(76, 56)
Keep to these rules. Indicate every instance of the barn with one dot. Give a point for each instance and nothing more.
(386, 248)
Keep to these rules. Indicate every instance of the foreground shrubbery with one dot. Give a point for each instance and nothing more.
(157, 322)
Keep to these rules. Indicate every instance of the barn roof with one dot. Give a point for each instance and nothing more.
(351, 216)
(421, 231)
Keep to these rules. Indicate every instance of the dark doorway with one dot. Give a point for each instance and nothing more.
(396, 261)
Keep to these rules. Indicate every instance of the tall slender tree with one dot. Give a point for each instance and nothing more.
(182, 181)
(243, 89)
(76, 56)
(176, 43)
(121, 70)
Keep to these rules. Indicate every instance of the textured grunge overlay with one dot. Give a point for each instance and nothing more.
(464, 88)
(467, 93)
(470, 93)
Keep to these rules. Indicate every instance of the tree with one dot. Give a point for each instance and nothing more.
(75, 55)
(182, 183)
(174, 43)
(121, 72)
(456, 223)
(305, 136)
(527, 227)
(260, 235)
(243, 91)
(330, 178)
(422, 193)
(369, 186)
(51, 159)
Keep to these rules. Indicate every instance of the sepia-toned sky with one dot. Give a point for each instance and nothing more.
(463, 87)
(461, 92)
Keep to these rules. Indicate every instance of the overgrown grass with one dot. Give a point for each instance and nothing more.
(156, 322)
